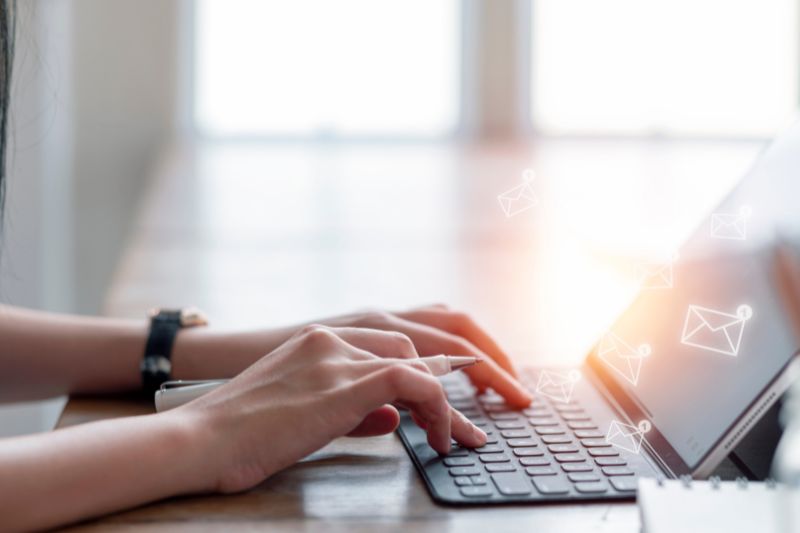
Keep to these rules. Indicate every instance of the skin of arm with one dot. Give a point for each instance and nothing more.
(45, 355)
(320, 384)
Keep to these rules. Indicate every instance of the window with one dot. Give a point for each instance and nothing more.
(319, 68)
(696, 67)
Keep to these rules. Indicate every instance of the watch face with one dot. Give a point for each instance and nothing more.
(156, 364)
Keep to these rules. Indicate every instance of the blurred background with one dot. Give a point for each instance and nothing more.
(273, 161)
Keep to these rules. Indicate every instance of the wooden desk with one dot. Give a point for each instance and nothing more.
(264, 235)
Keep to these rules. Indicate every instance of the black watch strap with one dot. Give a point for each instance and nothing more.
(156, 366)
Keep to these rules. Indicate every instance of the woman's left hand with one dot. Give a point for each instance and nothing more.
(434, 330)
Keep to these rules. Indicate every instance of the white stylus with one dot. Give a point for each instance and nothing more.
(175, 393)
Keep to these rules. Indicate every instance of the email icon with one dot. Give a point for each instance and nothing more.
(731, 225)
(714, 330)
(519, 198)
(656, 274)
(557, 386)
(623, 358)
(627, 437)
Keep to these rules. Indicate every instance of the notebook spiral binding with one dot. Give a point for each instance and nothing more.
(716, 482)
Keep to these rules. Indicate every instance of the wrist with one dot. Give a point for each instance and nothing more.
(190, 448)
(206, 354)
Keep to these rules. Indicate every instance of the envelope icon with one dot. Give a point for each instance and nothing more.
(730, 225)
(557, 386)
(714, 330)
(622, 357)
(627, 437)
(519, 198)
(655, 274)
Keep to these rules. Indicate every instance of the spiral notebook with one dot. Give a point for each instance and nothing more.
(671, 506)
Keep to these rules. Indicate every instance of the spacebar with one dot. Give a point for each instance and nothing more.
(512, 484)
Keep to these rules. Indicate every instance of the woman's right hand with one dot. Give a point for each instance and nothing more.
(321, 384)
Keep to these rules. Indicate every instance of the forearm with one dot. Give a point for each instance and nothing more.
(76, 473)
(203, 353)
(45, 354)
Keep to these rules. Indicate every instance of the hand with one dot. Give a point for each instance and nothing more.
(437, 329)
(207, 354)
(321, 384)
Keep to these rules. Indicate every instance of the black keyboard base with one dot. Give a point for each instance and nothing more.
(447, 485)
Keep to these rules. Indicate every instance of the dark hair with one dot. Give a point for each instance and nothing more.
(7, 17)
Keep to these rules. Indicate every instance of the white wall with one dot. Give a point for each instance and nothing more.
(124, 84)
(36, 260)
(93, 101)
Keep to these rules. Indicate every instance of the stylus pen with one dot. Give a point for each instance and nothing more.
(175, 393)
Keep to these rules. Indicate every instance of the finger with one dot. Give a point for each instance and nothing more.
(430, 341)
(379, 342)
(465, 431)
(461, 429)
(464, 326)
(381, 421)
(421, 392)
(489, 374)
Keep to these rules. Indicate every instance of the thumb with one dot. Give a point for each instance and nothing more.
(381, 421)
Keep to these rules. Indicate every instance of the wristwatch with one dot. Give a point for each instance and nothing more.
(156, 366)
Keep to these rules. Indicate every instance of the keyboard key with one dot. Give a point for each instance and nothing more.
(464, 471)
(521, 443)
(480, 479)
(509, 424)
(623, 484)
(491, 438)
(568, 408)
(575, 416)
(528, 452)
(515, 433)
(538, 421)
(603, 452)
(589, 434)
(494, 458)
(476, 492)
(577, 467)
(511, 484)
(479, 421)
(497, 409)
(595, 443)
(610, 461)
(458, 461)
(540, 471)
(536, 411)
(489, 448)
(556, 439)
(457, 451)
(548, 430)
(504, 415)
(500, 467)
(617, 471)
(583, 424)
(591, 487)
(584, 476)
(462, 481)
(534, 461)
(562, 448)
(551, 484)
(493, 399)
(570, 457)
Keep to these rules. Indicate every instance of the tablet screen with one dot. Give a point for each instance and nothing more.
(696, 356)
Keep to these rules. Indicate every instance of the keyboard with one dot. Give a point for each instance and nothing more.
(551, 451)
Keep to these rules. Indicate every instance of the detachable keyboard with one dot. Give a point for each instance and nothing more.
(551, 451)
